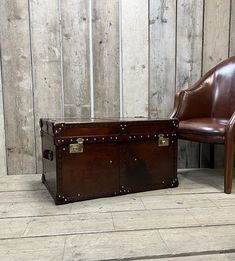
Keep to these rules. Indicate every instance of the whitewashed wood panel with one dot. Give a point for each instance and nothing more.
(124, 245)
(111, 204)
(135, 57)
(75, 36)
(17, 85)
(152, 219)
(45, 40)
(28, 249)
(19, 183)
(175, 63)
(3, 169)
(216, 49)
(162, 57)
(199, 239)
(188, 154)
(216, 32)
(188, 64)
(189, 42)
(105, 27)
(232, 29)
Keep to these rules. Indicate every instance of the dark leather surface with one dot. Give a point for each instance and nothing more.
(203, 126)
(117, 158)
(212, 139)
(224, 92)
(212, 96)
(206, 112)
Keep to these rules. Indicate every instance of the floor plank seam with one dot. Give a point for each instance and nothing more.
(113, 221)
(115, 231)
(192, 193)
(193, 217)
(164, 242)
(24, 190)
(190, 254)
(107, 212)
(142, 202)
(99, 212)
(126, 195)
(65, 242)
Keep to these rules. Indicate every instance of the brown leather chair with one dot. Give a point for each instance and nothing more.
(206, 112)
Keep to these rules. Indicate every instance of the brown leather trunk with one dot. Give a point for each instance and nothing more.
(91, 158)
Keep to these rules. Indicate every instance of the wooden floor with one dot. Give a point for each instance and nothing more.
(195, 221)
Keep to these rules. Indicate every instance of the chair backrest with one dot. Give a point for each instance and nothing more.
(223, 88)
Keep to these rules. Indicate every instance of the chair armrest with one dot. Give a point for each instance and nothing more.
(195, 102)
(177, 104)
(230, 127)
(232, 119)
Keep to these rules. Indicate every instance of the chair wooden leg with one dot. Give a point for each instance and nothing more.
(228, 167)
(212, 156)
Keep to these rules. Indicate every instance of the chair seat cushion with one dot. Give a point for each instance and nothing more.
(203, 126)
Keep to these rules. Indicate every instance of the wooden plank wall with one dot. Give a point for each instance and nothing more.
(165, 76)
(232, 29)
(135, 65)
(105, 39)
(3, 164)
(82, 58)
(76, 63)
(46, 69)
(162, 57)
(17, 86)
(215, 49)
(188, 63)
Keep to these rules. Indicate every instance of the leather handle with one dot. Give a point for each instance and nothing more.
(48, 154)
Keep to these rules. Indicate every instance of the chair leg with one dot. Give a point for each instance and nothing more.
(212, 156)
(228, 167)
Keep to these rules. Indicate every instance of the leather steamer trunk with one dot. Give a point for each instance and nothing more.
(91, 158)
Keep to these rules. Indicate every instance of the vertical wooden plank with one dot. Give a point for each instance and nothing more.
(162, 57)
(106, 57)
(3, 170)
(216, 32)
(188, 64)
(17, 86)
(216, 45)
(189, 42)
(75, 36)
(45, 38)
(135, 57)
(232, 29)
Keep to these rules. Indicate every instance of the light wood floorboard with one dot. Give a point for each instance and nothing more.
(195, 221)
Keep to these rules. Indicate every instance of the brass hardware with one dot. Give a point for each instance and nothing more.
(162, 141)
(77, 147)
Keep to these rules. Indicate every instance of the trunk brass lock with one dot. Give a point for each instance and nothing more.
(162, 141)
(77, 147)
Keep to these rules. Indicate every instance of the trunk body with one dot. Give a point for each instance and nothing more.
(91, 158)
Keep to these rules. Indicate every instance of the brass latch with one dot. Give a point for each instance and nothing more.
(77, 147)
(162, 141)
